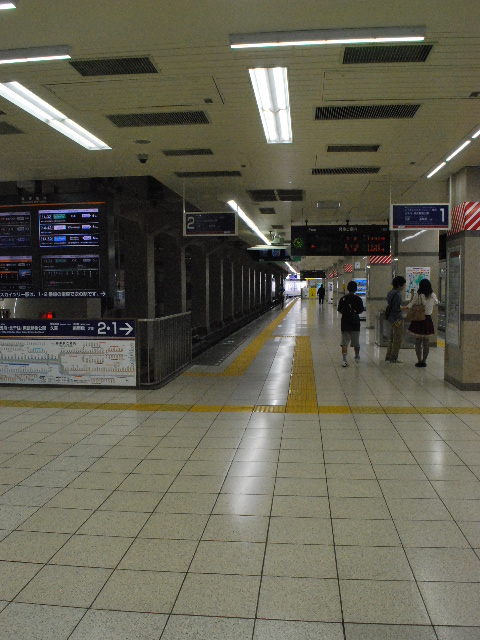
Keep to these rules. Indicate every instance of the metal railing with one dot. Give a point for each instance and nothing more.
(164, 346)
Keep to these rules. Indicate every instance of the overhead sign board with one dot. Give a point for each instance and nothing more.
(343, 240)
(210, 224)
(420, 216)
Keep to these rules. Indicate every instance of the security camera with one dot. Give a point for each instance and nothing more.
(142, 158)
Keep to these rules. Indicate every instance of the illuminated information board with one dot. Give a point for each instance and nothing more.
(15, 230)
(15, 276)
(69, 228)
(70, 273)
(342, 240)
(210, 224)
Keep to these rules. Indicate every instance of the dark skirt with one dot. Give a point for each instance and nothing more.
(421, 328)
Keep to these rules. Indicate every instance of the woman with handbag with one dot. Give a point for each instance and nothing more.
(420, 315)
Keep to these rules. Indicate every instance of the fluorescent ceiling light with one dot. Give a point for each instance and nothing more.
(414, 235)
(7, 5)
(327, 36)
(475, 135)
(247, 221)
(270, 87)
(35, 54)
(291, 268)
(440, 166)
(35, 106)
(452, 155)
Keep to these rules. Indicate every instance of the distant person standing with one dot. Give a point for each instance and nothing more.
(421, 330)
(281, 295)
(321, 294)
(350, 306)
(395, 318)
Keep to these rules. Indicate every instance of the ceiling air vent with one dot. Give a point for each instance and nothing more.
(363, 112)
(188, 152)
(7, 129)
(290, 195)
(277, 226)
(263, 195)
(207, 174)
(267, 211)
(389, 54)
(344, 171)
(352, 148)
(158, 119)
(276, 195)
(113, 66)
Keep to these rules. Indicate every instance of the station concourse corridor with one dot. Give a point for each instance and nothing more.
(265, 493)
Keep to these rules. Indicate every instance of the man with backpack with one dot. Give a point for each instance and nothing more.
(350, 306)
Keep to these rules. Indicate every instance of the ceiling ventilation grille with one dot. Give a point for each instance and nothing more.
(114, 66)
(389, 54)
(344, 171)
(276, 195)
(188, 152)
(277, 226)
(267, 211)
(158, 119)
(363, 112)
(8, 129)
(207, 174)
(352, 148)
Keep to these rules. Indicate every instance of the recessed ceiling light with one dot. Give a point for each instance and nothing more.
(35, 54)
(8, 5)
(270, 87)
(327, 36)
(35, 106)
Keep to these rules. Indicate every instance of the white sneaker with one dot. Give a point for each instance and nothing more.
(344, 364)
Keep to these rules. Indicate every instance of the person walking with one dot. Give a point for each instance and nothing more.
(395, 318)
(321, 294)
(350, 306)
(421, 330)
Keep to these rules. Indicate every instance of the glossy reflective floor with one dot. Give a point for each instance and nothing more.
(274, 495)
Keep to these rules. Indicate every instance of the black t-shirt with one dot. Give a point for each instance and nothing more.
(350, 306)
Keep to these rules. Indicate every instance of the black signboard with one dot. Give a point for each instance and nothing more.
(70, 273)
(312, 274)
(269, 255)
(15, 276)
(343, 240)
(210, 224)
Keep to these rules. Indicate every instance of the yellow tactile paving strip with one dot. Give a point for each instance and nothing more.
(302, 405)
(302, 395)
(241, 363)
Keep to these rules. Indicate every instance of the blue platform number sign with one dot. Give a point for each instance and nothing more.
(420, 216)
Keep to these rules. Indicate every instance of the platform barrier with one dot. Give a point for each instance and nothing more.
(164, 346)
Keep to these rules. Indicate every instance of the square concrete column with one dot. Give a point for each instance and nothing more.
(216, 290)
(200, 290)
(175, 279)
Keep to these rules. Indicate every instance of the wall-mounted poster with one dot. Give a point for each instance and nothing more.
(454, 288)
(413, 275)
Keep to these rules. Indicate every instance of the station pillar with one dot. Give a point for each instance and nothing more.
(462, 323)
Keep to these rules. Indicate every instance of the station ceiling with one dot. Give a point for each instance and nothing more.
(369, 121)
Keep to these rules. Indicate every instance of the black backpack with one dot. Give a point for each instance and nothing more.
(346, 309)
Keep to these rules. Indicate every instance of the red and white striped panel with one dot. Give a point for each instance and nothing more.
(381, 259)
(465, 217)
(335, 273)
(348, 268)
(330, 275)
(471, 216)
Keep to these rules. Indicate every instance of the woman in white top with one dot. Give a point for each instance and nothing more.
(423, 329)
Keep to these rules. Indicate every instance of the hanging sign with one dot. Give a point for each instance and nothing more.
(210, 224)
(420, 216)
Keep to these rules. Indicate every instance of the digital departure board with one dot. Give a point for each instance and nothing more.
(70, 273)
(15, 230)
(15, 276)
(343, 240)
(69, 227)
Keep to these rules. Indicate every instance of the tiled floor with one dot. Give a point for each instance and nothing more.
(208, 510)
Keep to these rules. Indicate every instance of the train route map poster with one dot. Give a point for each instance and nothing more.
(72, 353)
